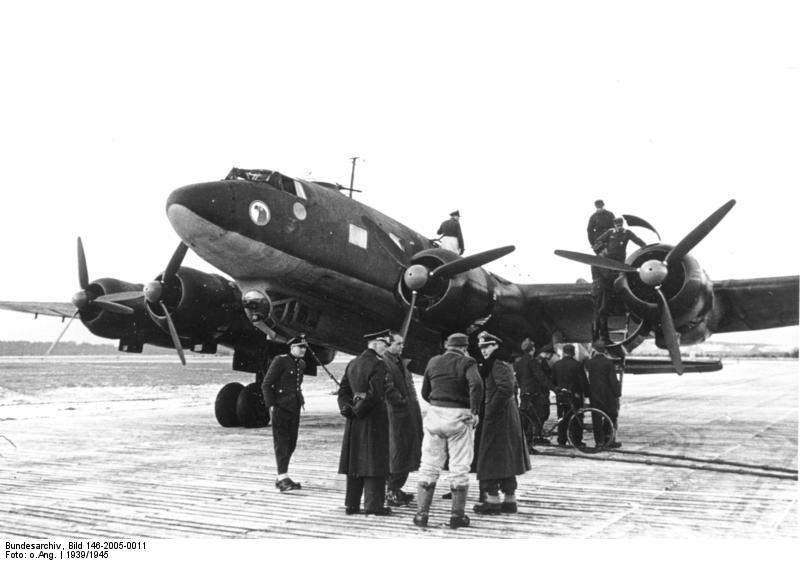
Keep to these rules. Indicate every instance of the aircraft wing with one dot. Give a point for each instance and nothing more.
(565, 308)
(762, 303)
(655, 365)
(57, 309)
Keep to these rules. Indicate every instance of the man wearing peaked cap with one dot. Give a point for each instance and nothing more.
(364, 457)
(450, 232)
(282, 391)
(487, 338)
(453, 387)
(384, 335)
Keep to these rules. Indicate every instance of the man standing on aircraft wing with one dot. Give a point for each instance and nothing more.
(282, 390)
(613, 243)
(450, 230)
(604, 391)
(405, 423)
(453, 387)
(599, 222)
(365, 445)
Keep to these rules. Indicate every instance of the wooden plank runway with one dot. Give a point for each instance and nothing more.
(115, 449)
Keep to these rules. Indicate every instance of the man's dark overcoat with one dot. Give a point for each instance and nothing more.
(604, 389)
(365, 445)
(503, 451)
(405, 417)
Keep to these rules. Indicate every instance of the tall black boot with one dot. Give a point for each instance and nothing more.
(457, 517)
(424, 499)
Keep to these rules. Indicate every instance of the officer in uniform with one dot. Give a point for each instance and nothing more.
(503, 453)
(405, 423)
(453, 387)
(604, 391)
(572, 387)
(282, 391)
(450, 232)
(535, 386)
(365, 445)
(612, 243)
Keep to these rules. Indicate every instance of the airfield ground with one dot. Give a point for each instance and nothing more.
(118, 448)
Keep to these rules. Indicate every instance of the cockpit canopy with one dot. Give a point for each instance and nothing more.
(272, 178)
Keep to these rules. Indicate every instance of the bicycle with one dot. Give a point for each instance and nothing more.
(577, 425)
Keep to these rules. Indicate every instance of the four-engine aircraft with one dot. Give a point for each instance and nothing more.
(306, 259)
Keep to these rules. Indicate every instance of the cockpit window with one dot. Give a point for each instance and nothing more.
(273, 178)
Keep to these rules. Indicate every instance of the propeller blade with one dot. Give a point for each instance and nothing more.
(112, 307)
(386, 242)
(596, 261)
(60, 335)
(407, 321)
(670, 335)
(463, 264)
(174, 334)
(83, 272)
(696, 236)
(174, 263)
(129, 296)
(641, 223)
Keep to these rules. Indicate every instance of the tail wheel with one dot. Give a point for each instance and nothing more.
(591, 425)
(250, 408)
(225, 404)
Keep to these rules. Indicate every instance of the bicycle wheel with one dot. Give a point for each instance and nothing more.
(591, 426)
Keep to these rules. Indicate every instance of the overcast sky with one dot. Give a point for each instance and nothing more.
(519, 114)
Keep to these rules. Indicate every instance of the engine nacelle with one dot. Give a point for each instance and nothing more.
(454, 303)
(109, 324)
(203, 306)
(687, 288)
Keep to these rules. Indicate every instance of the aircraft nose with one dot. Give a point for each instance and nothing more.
(211, 201)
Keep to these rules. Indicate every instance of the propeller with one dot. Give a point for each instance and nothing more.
(641, 223)
(156, 292)
(654, 272)
(417, 276)
(85, 297)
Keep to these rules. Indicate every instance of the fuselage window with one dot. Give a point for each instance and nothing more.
(358, 236)
(298, 188)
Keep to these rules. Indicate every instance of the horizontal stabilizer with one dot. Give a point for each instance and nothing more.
(642, 365)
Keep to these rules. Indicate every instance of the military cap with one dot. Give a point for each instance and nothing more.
(569, 349)
(548, 348)
(457, 340)
(455, 213)
(618, 220)
(383, 335)
(488, 339)
(527, 345)
(599, 203)
(299, 341)
(599, 345)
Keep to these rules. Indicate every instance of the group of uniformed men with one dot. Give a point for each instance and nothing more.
(473, 421)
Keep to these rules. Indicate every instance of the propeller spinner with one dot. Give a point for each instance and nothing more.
(654, 273)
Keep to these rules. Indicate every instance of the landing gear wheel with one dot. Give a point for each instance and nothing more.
(225, 405)
(588, 422)
(250, 408)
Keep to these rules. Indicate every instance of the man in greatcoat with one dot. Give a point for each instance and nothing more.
(365, 446)
(282, 391)
(604, 392)
(535, 386)
(503, 452)
(453, 387)
(572, 387)
(405, 423)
